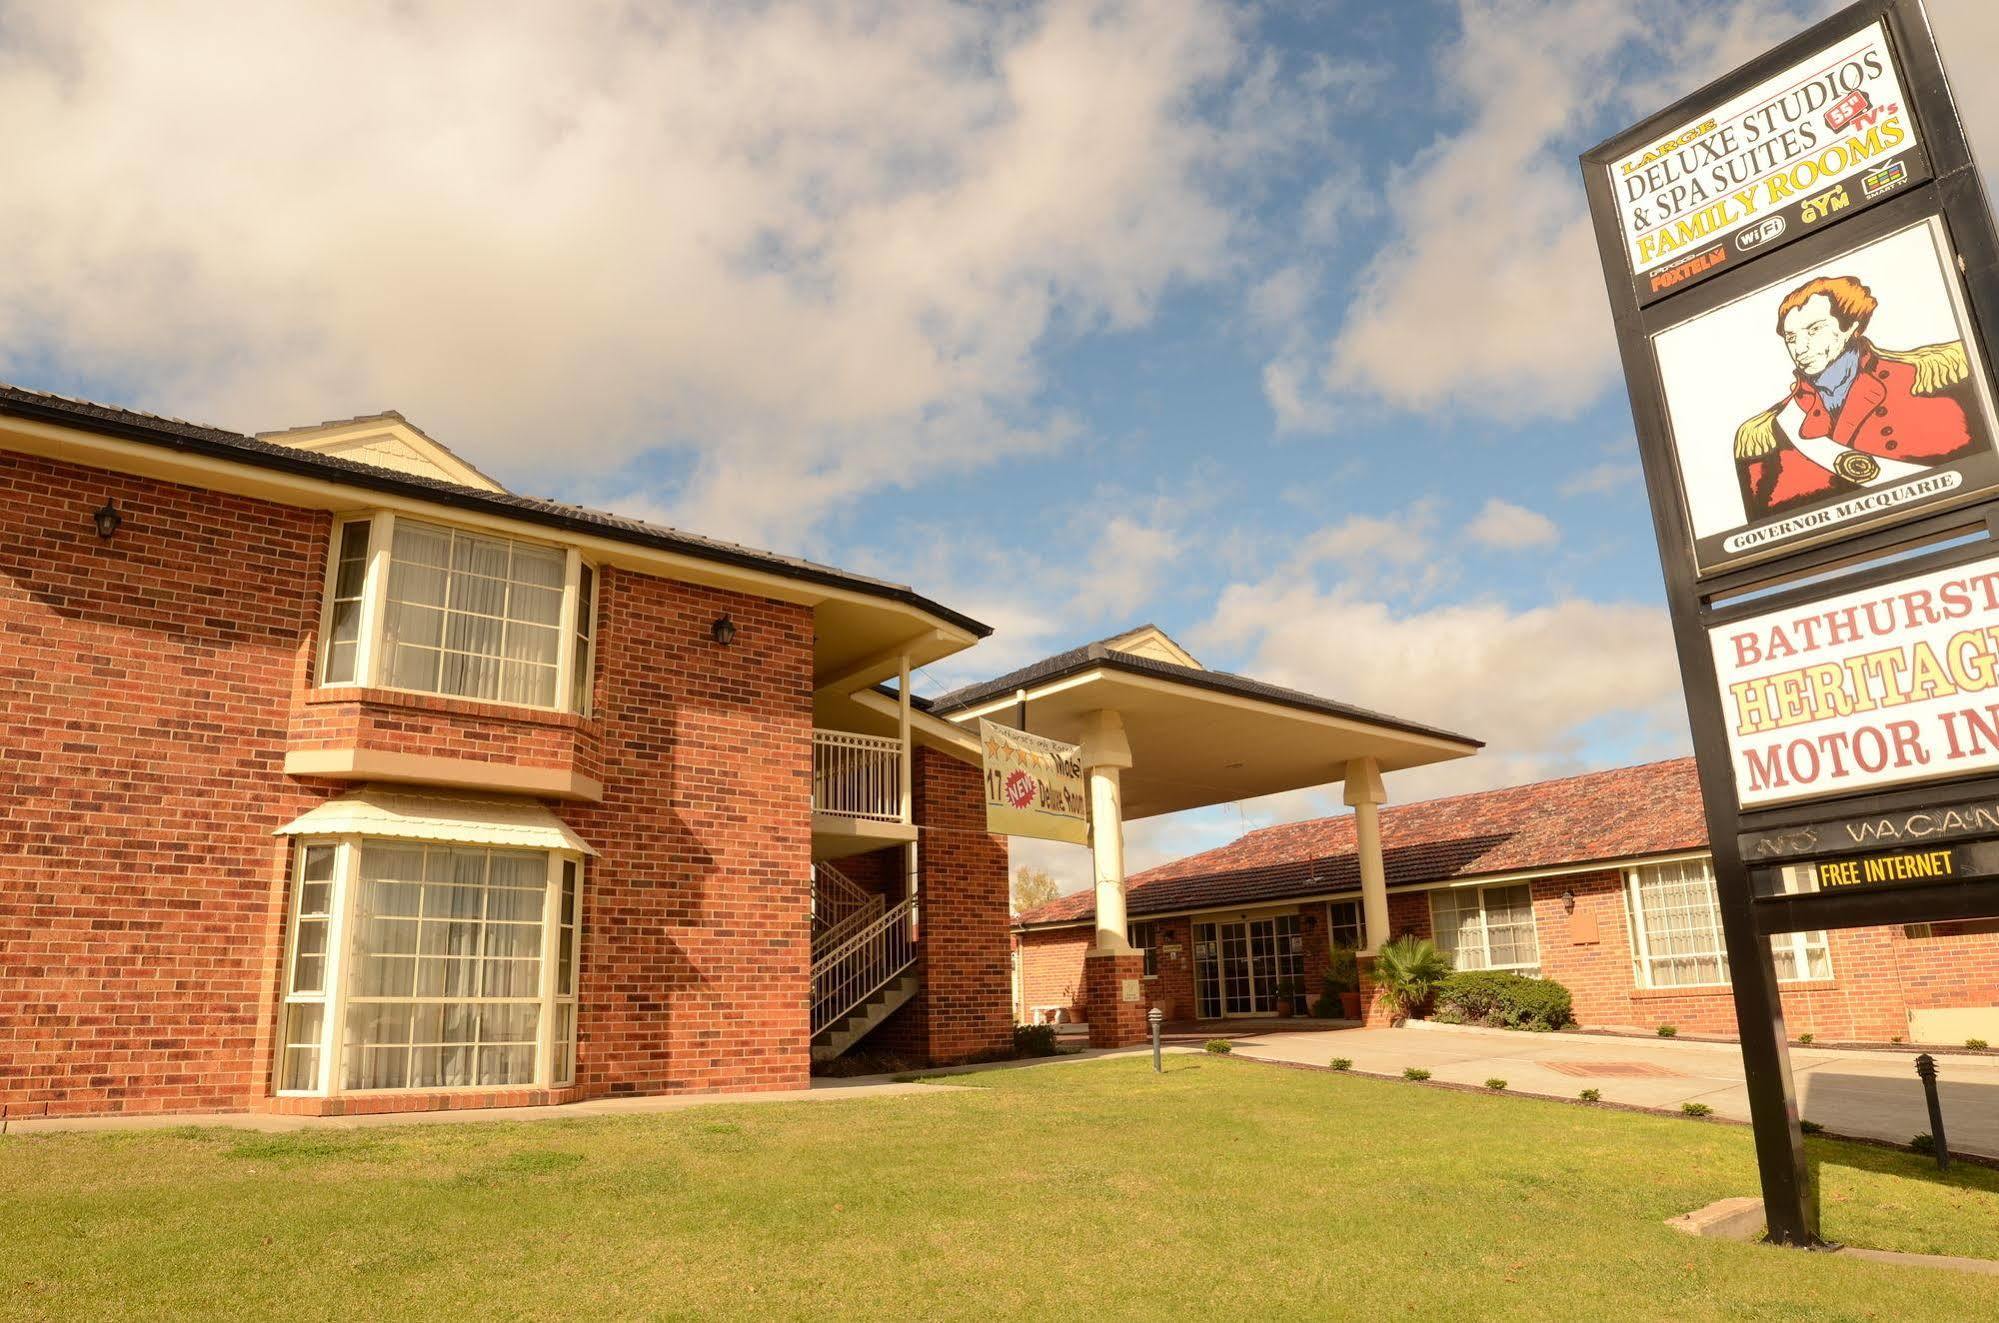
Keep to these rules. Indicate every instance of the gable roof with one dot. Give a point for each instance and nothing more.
(391, 441)
(1106, 655)
(217, 443)
(1625, 813)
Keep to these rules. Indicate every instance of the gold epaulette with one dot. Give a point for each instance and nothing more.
(1938, 367)
(1757, 437)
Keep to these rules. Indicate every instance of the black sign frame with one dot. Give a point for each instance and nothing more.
(1926, 538)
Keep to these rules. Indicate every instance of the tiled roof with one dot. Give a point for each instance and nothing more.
(178, 434)
(1100, 654)
(1626, 813)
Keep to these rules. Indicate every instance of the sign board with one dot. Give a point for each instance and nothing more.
(1826, 135)
(1034, 786)
(1878, 687)
(1802, 271)
(1844, 392)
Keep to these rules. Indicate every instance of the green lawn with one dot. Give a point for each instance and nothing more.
(1224, 1188)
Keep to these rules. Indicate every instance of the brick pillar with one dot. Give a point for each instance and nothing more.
(1374, 1012)
(1114, 1022)
(965, 1010)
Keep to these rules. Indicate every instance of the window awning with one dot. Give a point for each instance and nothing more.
(516, 824)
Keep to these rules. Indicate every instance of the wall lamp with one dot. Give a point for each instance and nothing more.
(107, 520)
(723, 631)
(1569, 902)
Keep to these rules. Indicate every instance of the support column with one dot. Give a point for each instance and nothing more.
(1113, 973)
(1365, 794)
(1106, 753)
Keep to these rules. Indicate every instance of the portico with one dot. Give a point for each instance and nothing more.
(1160, 733)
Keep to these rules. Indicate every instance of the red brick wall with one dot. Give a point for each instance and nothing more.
(965, 1007)
(697, 946)
(1051, 966)
(146, 688)
(1878, 974)
(145, 683)
(380, 719)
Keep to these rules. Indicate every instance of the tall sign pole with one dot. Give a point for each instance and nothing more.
(1803, 275)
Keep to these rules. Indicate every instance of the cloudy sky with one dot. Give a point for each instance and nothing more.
(1277, 324)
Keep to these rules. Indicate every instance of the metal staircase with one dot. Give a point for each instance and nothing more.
(863, 957)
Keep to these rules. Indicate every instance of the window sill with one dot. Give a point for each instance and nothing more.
(462, 707)
(377, 1101)
(1724, 990)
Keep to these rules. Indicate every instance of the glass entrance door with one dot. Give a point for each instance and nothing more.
(1237, 966)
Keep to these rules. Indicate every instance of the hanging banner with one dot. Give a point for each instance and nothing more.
(1842, 394)
(1876, 688)
(1034, 786)
(1826, 136)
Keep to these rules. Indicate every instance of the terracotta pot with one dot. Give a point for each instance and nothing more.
(1350, 1005)
(1285, 1010)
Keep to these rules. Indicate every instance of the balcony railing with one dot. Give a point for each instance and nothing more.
(857, 776)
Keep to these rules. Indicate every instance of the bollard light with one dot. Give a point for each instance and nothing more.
(1155, 1018)
(1926, 1071)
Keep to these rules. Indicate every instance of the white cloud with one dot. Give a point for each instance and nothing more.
(813, 248)
(1487, 292)
(1545, 687)
(1505, 526)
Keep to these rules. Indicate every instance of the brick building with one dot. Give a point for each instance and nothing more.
(340, 778)
(1600, 882)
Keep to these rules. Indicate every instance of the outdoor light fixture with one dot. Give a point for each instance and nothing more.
(1569, 902)
(723, 631)
(107, 520)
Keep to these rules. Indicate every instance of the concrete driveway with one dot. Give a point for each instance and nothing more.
(1871, 1094)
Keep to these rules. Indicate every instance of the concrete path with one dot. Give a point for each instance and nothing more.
(1871, 1094)
(822, 1090)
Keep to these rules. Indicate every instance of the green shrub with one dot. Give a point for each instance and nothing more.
(1495, 1084)
(1416, 1073)
(1327, 1007)
(1923, 1143)
(1342, 972)
(1503, 1000)
(1342, 1063)
(1221, 1047)
(1975, 1044)
(1408, 970)
(1810, 1128)
(1804, 1040)
(1668, 1030)
(1034, 1040)
(1696, 1109)
(1591, 1095)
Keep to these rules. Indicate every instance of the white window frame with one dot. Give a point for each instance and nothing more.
(1150, 950)
(1533, 966)
(369, 654)
(1801, 944)
(549, 1073)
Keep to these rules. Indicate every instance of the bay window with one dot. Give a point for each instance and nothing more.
(421, 965)
(432, 609)
(1486, 927)
(1676, 937)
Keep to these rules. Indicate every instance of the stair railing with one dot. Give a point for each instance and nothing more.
(827, 938)
(862, 964)
(835, 896)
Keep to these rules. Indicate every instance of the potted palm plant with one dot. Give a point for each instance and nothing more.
(1288, 991)
(1406, 974)
(1343, 981)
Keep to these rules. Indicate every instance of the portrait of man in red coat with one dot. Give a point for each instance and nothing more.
(1857, 416)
